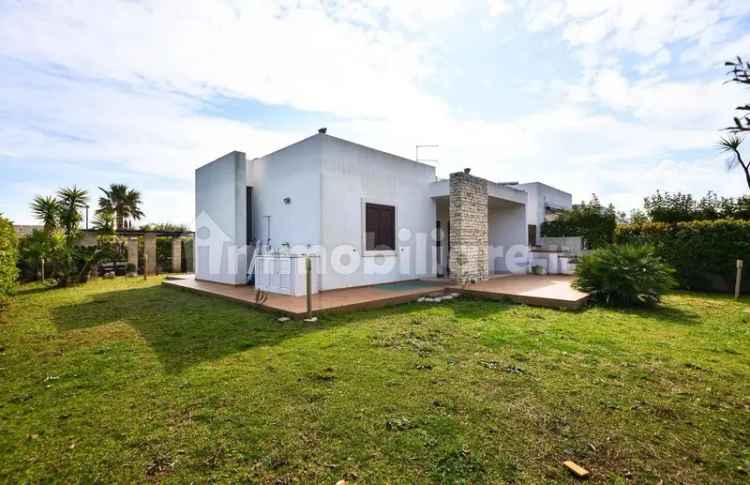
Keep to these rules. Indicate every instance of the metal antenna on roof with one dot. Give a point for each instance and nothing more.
(431, 160)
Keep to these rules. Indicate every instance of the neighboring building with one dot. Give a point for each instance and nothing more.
(366, 216)
(23, 230)
(544, 204)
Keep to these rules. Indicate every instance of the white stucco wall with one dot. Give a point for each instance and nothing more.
(507, 234)
(292, 172)
(539, 195)
(220, 220)
(352, 175)
(328, 181)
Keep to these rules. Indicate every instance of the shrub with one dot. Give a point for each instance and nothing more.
(624, 275)
(679, 207)
(37, 246)
(704, 253)
(8, 269)
(164, 254)
(590, 220)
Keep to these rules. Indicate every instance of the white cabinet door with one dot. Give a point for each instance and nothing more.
(284, 271)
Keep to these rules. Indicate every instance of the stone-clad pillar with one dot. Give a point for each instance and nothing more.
(177, 255)
(149, 251)
(469, 227)
(133, 252)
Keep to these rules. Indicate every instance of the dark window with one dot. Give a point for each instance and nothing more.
(532, 234)
(380, 227)
(249, 216)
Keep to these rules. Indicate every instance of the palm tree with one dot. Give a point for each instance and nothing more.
(122, 202)
(47, 209)
(731, 144)
(104, 222)
(71, 200)
(133, 200)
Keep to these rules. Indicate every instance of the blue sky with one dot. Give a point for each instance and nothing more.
(613, 97)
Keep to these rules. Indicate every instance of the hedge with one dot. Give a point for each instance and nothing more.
(591, 220)
(704, 253)
(8, 256)
(596, 232)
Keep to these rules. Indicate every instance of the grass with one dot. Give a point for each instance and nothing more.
(129, 381)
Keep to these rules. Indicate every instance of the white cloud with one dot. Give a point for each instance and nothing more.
(499, 7)
(124, 84)
(694, 177)
(643, 27)
(664, 103)
(298, 57)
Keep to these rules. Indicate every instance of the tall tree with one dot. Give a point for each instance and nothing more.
(122, 202)
(133, 203)
(731, 144)
(740, 73)
(47, 210)
(72, 201)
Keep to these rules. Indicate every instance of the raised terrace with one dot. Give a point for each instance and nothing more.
(546, 291)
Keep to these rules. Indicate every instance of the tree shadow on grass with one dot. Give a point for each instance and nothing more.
(185, 329)
(33, 289)
(182, 328)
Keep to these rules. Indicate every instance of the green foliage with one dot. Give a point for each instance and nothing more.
(637, 216)
(37, 247)
(738, 208)
(104, 222)
(679, 207)
(8, 269)
(668, 207)
(626, 275)
(731, 144)
(165, 227)
(164, 254)
(72, 201)
(64, 263)
(127, 380)
(61, 212)
(121, 203)
(55, 245)
(740, 74)
(590, 220)
(47, 210)
(704, 253)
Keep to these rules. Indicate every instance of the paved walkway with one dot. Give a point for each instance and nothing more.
(549, 291)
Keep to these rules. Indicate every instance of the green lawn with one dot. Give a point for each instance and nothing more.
(130, 381)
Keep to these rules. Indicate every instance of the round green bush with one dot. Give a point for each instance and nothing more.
(625, 275)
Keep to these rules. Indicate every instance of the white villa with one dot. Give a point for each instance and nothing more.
(363, 216)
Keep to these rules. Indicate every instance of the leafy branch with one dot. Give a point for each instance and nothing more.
(740, 73)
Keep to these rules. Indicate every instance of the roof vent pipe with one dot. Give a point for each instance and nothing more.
(323, 130)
